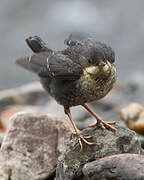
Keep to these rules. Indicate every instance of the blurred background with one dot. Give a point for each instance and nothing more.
(117, 23)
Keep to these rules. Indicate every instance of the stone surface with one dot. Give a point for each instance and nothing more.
(31, 146)
(70, 163)
(116, 167)
(133, 116)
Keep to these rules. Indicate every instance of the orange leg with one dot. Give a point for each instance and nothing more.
(77, 132)
(100, 122)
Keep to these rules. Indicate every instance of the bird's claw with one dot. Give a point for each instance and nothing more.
(84, 139)
(104, 125)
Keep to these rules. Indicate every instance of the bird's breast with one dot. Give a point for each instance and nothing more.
(96, 82)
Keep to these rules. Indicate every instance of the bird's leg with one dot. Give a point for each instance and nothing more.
(100, 122)
(77, 131)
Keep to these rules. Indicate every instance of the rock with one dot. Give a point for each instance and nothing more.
(70, 163)
(1, 139)
(4, 121)
(131, 112)
(141, 139)
(28, 94)
(31, 146)
(133, 116)
(5, 118)
(116, 167)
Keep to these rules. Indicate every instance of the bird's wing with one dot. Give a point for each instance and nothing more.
(57, 66)
(76, 37)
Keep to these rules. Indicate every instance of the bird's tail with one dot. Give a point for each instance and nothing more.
(36, 44)
(26, 64)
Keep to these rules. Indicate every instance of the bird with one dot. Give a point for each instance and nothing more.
(81, 73)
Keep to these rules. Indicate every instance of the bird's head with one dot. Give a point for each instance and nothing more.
(99, 61)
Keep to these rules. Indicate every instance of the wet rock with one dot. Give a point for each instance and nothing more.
(31, 146)
(133, 116)
(116, 167)
(70, 163)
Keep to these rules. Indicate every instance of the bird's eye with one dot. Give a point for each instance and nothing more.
(70, 42)
(89, 60)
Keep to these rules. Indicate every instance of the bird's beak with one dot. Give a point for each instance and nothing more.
(102, 67)
(101, 63)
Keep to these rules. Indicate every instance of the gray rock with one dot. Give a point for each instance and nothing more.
(1, 138)
(70, 163)
(31, 146)
(116, 167)
(28, 94)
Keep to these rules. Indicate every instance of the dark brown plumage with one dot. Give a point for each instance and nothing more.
(81, 73)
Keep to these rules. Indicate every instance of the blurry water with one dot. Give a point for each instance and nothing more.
(118, 23)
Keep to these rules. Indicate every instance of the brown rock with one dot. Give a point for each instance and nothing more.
(31, 146)
(132, 111)
(133, 116)
(116, 167)
(5, 118)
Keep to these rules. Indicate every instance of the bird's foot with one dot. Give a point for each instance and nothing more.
(100, 122)
(104, 124)
(82, 138)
